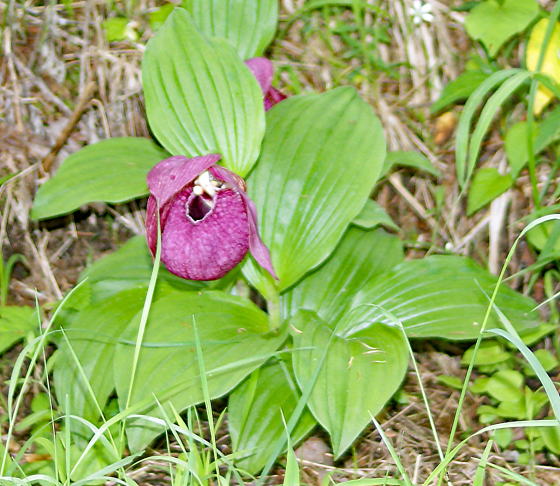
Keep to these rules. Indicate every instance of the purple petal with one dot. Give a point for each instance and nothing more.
(211, 247)
(263, 70)
(170, 176)
(257, 247)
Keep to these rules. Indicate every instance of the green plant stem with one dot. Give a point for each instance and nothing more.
(273, 306)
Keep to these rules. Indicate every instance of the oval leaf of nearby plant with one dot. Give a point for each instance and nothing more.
(459, 89)
(487, 115)
(516, 146)
(494, 21)
(412, 159)
(551, 437)
(360, 256)
(255, 412)
(373, 215)
(200, 97)
(93, 336)
(551, 63)
(320, 159)
(441, 296)
(249, 25)
(15, 323)
(487, 185)
(361, 372)
(234, 341)
(113, 171)
(506, 385)
(463, 128)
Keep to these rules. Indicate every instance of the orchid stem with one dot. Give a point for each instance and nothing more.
(273, 306)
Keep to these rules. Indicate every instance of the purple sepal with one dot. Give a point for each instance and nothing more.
(169, 176)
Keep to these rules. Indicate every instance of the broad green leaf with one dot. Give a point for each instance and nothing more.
(362, 371)
(495, 21)
(516, 147)
(113, 171)
(479, 385)
(506, 385)
(527, 406)
(551, 63)
(320, 159)
(503, 437)
(459, 89)
(93, 335)
(487, 185)
(488, 113)
(464, 163)
(373, 215)
(441, 296)
(547, 132)
(200, 97)
(16, 322)
(412, 159)
(129, 267)
(234, 339)
(255, 412)
(249, 25)
(360, 256)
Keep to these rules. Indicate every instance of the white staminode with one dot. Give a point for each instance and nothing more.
(205, 183)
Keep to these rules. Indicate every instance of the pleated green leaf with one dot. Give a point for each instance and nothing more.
(360, 256)
(130, 267)
(93, 336)
(234, 340)
(361, 372)
(200, 96)
(255, 413)
(113, 171)
(441, 296)
(320, 159)
(249, 25)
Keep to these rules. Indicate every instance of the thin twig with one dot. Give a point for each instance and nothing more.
(84, 100)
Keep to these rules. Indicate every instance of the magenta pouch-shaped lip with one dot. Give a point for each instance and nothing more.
(208, 223)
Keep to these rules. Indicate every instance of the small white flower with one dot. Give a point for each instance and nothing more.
(421, 12)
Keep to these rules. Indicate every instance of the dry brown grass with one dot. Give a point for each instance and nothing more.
(49, 59)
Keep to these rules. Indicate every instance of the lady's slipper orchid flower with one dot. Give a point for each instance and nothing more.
(208, 223)
(263, 70)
